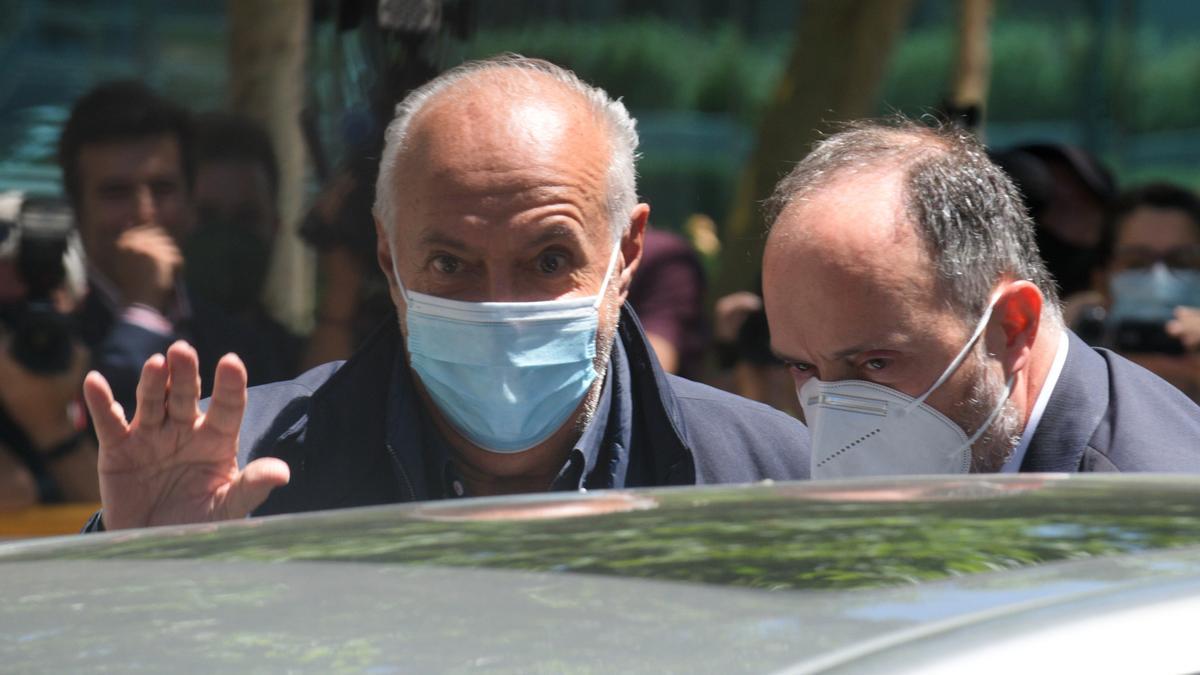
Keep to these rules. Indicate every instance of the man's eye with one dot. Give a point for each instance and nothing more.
(115, 192)
(875, 364)
(446, 264)
(798, 367)
(551, 263)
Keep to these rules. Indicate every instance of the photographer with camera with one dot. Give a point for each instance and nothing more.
(45, 454)
(1150, 283)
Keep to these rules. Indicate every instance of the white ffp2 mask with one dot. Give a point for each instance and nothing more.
(861, 428)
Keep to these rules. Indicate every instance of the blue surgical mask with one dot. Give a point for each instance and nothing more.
(506, 375)
(1152, 294)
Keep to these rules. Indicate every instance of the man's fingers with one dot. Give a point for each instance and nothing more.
(107, 415)
(183, 388)
(253, 485)
(229, 396)
(152, 393)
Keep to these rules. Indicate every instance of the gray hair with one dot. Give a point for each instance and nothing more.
(621, 187)
(966, 209)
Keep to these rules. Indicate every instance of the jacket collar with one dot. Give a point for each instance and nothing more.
(656, 406)
(1076, 408)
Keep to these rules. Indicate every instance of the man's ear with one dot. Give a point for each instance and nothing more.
(631, 246)
(383, 255)
(1017, 316)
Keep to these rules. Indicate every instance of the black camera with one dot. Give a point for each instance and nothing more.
(1145, 336)
(39, 243)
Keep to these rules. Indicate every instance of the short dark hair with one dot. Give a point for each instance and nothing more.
(119, 111)
(968, 212)
(1158, 195)
(225, 136)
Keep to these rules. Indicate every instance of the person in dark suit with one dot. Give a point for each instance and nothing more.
(924, 333)
(128, 162)
(509, 232)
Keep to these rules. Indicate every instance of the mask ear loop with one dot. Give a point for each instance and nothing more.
(958, 360)
(400, 284)
(612, 263)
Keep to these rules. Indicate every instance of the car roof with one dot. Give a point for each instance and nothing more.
(809, 577)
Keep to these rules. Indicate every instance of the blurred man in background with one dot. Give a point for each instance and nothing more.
(1150, 282)
(128, 162)
(1067, 192)
(236, 195)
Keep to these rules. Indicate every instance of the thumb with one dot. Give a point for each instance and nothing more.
(252, 486)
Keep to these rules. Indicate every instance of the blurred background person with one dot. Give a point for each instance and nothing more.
(668, 295)
(128, 164)
(745, 363)
(1149, 283)
(1067, 191)
(236, 196)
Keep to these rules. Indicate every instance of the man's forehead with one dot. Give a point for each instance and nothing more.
(524, 114)
(491, 152)
(159, 153)
(849, 210)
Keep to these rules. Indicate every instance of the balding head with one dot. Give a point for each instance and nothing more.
(963, 207)
(901, 257)
(514, 108)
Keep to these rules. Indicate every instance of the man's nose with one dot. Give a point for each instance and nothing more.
(146, 207)
(500, 286)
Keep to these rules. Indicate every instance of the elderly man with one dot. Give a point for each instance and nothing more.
(509, 231)
(904, 289)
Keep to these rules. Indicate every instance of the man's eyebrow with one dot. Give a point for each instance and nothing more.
(782, 358)
(556, 233)
(437, 238)
(840, 354)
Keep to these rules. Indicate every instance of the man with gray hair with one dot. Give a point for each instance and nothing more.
(509, 230)
(904, 290)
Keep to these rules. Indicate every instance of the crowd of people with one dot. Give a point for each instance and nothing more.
(498, 316)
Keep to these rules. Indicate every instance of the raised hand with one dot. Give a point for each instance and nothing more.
(147, 260)
(173, 464)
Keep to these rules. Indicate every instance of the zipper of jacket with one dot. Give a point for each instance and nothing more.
(406, 483)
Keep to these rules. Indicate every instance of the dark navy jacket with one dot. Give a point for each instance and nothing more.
(1109, 414)
(119, 348)
(331, 425)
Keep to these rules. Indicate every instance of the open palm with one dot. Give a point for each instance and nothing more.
(172, 463)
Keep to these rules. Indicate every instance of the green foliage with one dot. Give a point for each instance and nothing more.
(651, 64)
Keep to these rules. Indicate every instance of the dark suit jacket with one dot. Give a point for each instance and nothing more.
(119, 348)
(1108, 414)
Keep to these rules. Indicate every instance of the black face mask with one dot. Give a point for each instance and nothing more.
(1070, 264)
(225, 264)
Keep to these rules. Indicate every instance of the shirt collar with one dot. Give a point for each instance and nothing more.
(1013, 465)
(605, 439)
(180, 309)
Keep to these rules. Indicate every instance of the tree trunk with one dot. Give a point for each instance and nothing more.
(841, 52)
(973, 62)
(268, 42)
